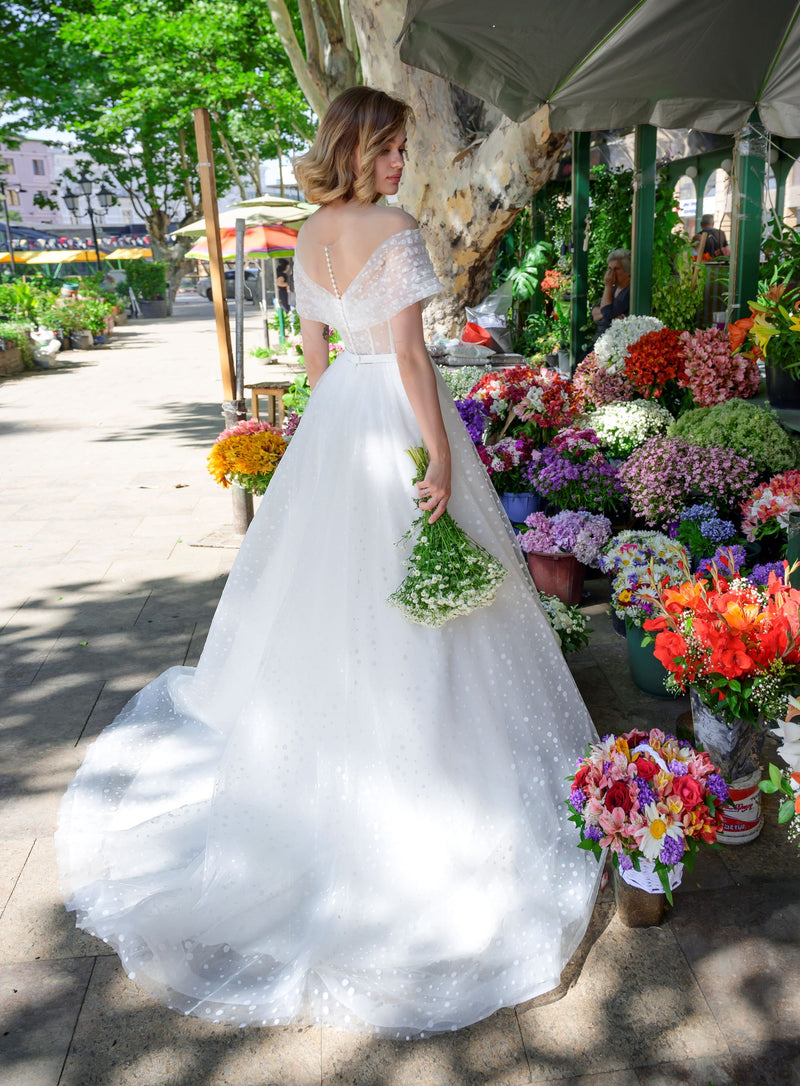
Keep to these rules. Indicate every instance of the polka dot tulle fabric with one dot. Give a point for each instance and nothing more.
(340, 816)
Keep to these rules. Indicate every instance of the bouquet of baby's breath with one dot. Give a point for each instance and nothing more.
(449, 574)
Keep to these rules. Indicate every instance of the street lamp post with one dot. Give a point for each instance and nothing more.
(104, 195)
(9, 239)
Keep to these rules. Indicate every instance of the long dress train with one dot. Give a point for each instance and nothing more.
(338, 815)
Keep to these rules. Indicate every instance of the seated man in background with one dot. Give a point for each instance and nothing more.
(616, 299)
(716, 244)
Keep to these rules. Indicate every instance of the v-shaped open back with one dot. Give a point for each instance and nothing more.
(396, 274)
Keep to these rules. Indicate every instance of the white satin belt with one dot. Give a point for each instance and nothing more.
(369, 359)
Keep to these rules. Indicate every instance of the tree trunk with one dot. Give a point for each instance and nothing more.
(174, 255)
(470, 169)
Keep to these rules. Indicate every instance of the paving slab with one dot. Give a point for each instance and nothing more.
(123, 1038)
(747, 961)
(488, 1052)
(34, 925)
(635, 1003)
(39, 1006)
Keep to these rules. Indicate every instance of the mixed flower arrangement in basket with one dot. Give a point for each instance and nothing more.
(573, 473)
(449, 574)
(766, 510)
(737, 644)
(246, 455)
(569, 532)
(639, 563)
(649, 798)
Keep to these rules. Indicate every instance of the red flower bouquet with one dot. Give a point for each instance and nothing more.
(656, 366)
(736, 643)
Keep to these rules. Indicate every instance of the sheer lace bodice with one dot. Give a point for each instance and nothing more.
(395, 275)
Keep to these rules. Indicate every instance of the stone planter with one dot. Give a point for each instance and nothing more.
(11, 362)
(153, 309)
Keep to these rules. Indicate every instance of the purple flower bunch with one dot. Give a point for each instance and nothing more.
(573, 473)
(661, 472)
(474, 416)
(580, 533)
(760, 573)
(728, 560)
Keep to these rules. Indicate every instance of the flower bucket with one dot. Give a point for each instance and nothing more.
(735, 748)
(639, 895)
(558, 575)
(647, 672)
(520, 506)
(743, 821)
(782, 389)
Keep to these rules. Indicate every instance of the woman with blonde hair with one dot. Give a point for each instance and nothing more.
(341, 816)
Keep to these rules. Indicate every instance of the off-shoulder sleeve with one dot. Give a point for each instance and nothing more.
(408, 273)
(311, 301)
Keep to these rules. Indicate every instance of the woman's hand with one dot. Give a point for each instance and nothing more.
(434, 490)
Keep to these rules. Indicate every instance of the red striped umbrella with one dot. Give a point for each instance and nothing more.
(259, 241)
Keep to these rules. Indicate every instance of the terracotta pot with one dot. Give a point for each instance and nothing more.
(558, 575)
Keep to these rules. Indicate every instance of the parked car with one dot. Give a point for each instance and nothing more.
(252, 285)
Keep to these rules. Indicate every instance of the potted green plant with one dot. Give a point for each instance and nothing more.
(148, 281)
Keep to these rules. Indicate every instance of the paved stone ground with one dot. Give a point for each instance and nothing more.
(104, 493)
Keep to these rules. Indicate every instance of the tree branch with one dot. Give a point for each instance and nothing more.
(282, 22)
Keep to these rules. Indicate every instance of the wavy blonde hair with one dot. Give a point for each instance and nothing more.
(359, 119)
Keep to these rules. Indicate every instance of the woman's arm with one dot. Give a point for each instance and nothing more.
(419, 382)
(316, 351)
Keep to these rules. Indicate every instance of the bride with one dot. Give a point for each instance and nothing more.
(341, 816)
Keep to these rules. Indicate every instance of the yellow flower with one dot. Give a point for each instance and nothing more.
(794, 322)
(762, 331)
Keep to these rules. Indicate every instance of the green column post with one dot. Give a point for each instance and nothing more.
(580, 255)
(644, 210)
(750, 154)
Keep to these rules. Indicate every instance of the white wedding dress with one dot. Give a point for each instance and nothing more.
(338, 815)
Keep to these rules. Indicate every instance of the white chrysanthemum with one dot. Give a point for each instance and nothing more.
(612, 347)
(660, 824)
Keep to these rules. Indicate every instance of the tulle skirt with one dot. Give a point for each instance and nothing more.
(340, 816)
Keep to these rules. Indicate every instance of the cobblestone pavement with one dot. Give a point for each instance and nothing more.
(104, 496)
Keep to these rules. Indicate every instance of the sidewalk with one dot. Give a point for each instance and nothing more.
(105, 491)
